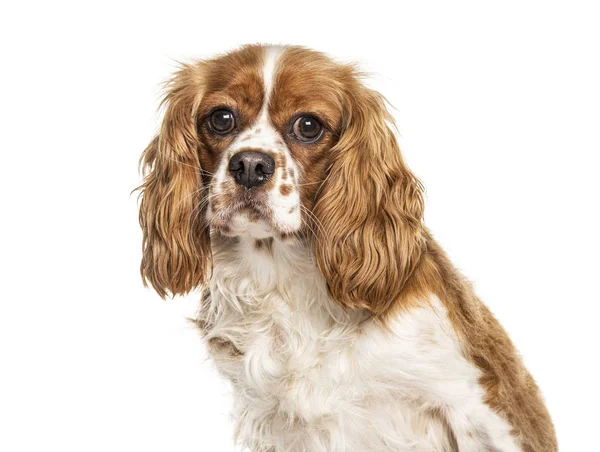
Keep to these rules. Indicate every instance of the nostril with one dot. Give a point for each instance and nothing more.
(236, 164)
(268, 165)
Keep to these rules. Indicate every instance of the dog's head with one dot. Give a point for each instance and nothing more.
(280, 142)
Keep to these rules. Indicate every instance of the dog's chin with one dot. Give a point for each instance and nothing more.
(248, 224)
(253, 224)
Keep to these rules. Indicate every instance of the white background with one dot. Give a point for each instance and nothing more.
(498, 105)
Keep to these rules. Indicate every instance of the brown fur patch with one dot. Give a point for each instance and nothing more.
(437, 414)
(176, 240)
(264, 244)
(220, 345)
(285, 190)
(510, 390)
(253, 216)
(280, 159)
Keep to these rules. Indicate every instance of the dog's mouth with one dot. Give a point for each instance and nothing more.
(250, 212)
(254, 220)
(245, 214)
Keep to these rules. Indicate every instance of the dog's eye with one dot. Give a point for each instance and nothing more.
(307, 129)
(222, 121)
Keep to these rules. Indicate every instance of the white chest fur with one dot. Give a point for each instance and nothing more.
(309, 376)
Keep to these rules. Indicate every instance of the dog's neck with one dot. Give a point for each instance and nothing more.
(273, 274)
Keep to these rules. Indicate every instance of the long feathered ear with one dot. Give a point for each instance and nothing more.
(371, 209)
(176, 240)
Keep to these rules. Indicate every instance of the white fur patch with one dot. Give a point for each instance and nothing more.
(272, 54)
(310, 376)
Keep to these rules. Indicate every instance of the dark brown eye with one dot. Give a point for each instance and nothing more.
(222, 121)
(307, 129)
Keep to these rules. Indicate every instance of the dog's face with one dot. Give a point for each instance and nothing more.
(267, 120)
(280, 142)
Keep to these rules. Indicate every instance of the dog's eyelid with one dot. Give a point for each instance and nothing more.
(232, 108)
(313, 114)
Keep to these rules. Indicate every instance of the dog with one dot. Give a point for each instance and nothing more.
(276, 185)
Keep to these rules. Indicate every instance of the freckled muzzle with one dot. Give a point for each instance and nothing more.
(251, 168)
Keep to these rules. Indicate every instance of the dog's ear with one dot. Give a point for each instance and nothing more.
(176, 240)
(370, 207)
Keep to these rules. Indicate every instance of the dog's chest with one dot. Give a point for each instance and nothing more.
(287, 346)
(306, 372)
(310, 376)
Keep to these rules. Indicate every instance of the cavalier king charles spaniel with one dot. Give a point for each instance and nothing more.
(276, 184)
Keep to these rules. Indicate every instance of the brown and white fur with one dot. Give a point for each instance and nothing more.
(338, 319)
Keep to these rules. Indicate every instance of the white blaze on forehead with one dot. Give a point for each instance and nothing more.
(262, 134)
(272, 54)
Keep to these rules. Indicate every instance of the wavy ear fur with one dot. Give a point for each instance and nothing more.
(371, 208)
(176, 240)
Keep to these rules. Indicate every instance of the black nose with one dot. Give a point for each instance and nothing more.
(251, 168)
